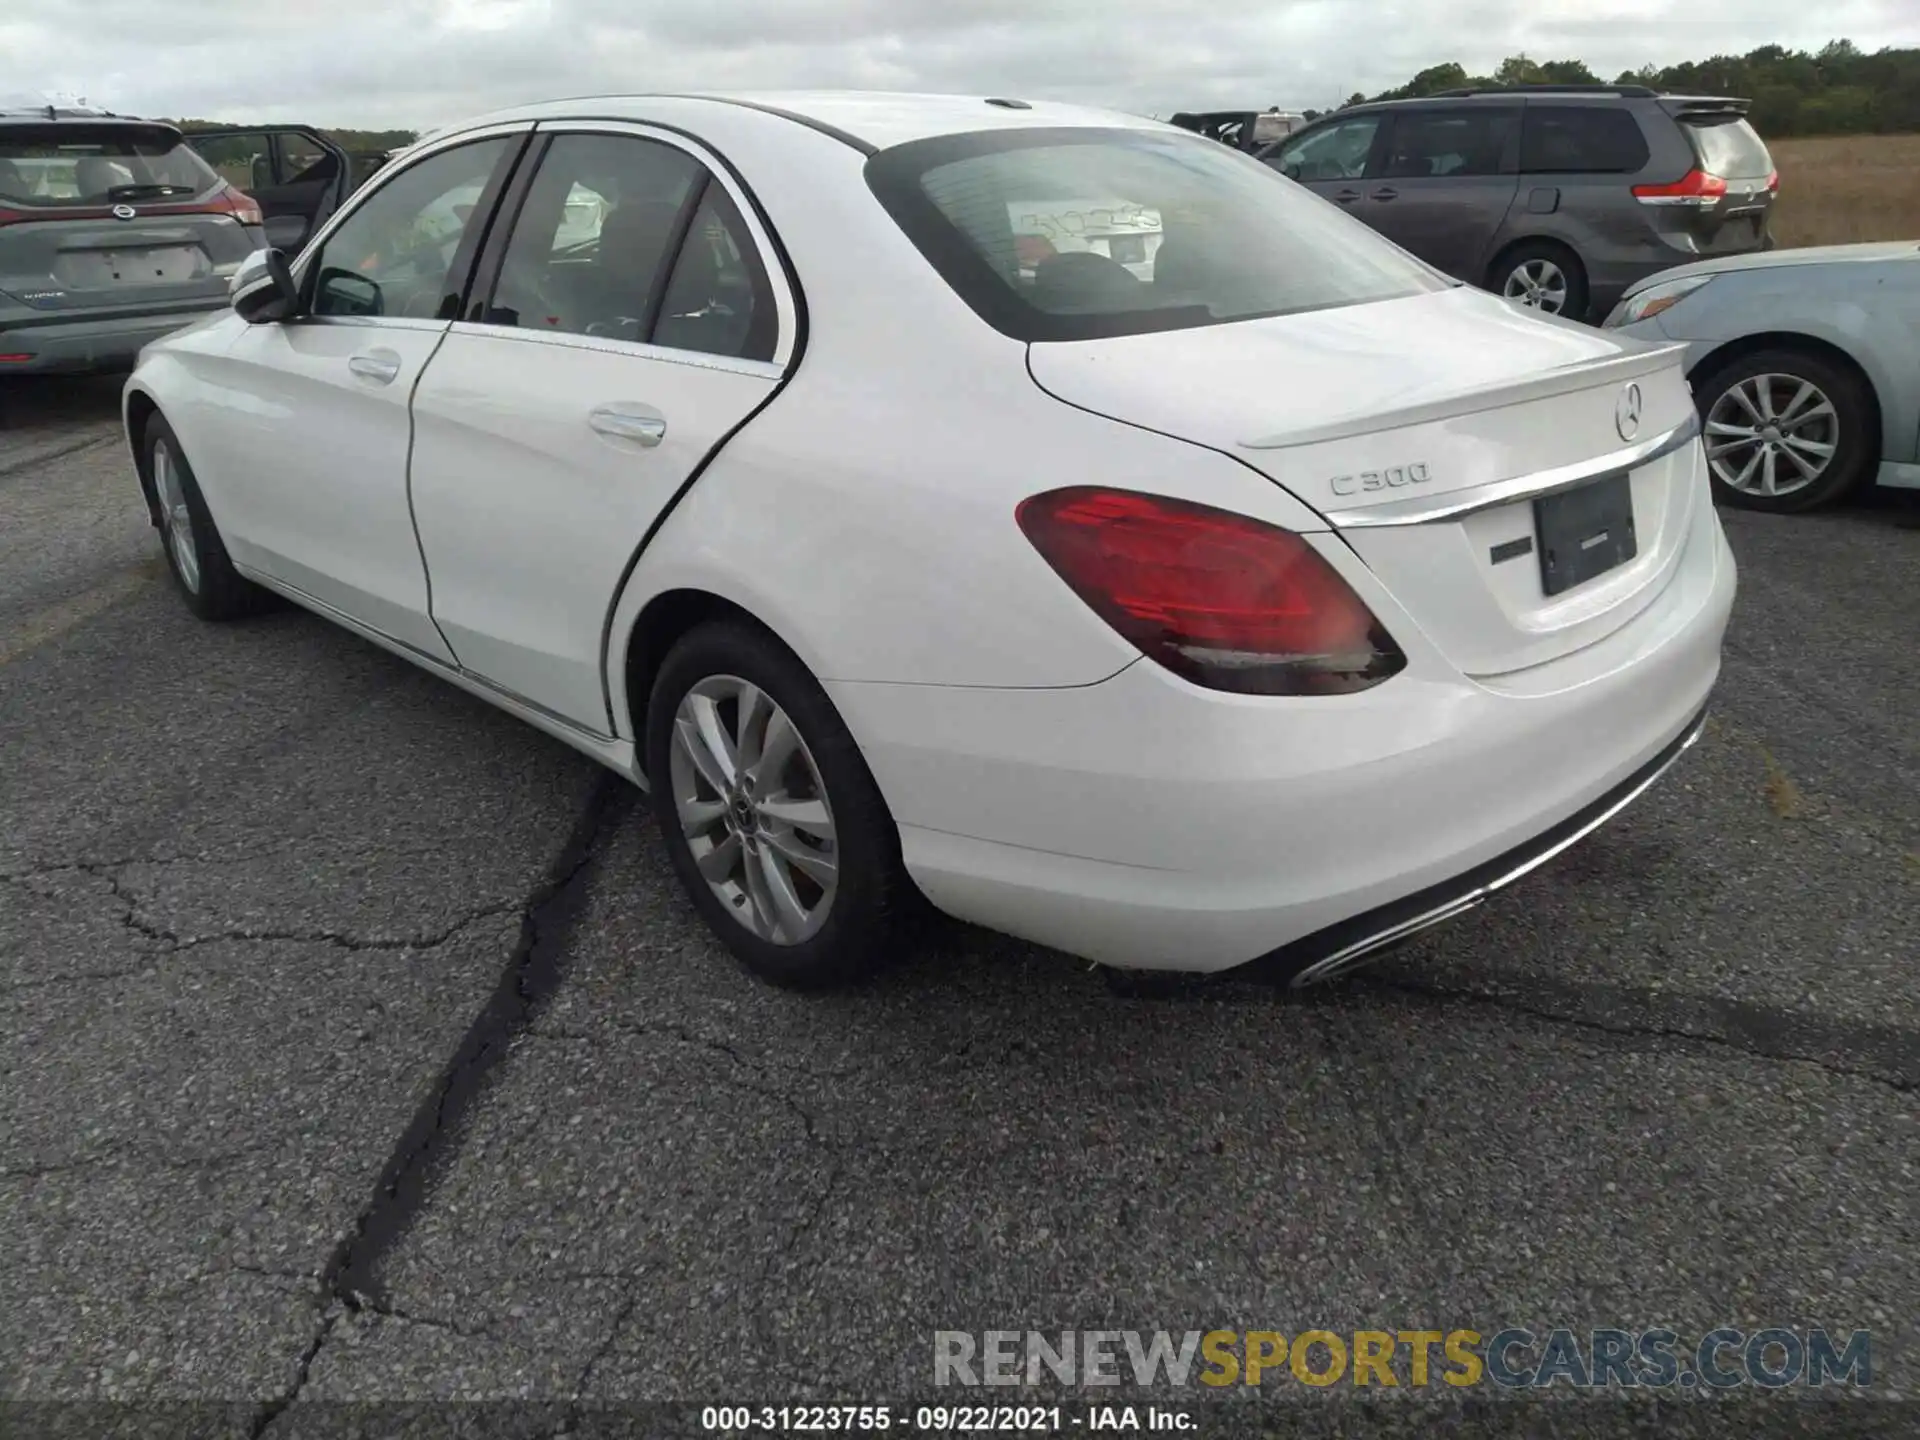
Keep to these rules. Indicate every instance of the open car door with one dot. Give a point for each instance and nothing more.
(296, 175)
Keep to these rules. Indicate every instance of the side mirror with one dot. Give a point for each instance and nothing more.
(1291, 170)
(263, 291)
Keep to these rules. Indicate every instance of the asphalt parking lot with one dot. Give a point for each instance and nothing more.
(355, 1045)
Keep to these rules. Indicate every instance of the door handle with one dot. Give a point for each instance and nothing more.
(630, 422)
(1386, 192)
(381, 366)
(1346, 197)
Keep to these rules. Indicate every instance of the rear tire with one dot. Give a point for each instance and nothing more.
(1775, 413)
(196, 556)
(776, 828)
(1543, 276)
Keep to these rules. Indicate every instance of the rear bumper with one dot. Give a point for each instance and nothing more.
(1327, 952)
(1146, 824)
(75, 346)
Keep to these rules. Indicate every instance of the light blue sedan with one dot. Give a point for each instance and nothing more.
(1805, 365)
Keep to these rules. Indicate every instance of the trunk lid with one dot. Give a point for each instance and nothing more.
(1425, 429)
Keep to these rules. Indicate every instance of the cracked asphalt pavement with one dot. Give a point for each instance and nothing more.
(357, 1049)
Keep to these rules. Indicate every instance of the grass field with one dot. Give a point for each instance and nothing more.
(1837, 189)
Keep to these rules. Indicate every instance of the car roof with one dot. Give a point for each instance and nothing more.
(1555, 94)
(82, 118)
(868, 119)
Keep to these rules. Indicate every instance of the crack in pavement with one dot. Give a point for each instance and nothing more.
(756, 1079)
(533, 970)
(172, 942)
(149, 1161)
(1885, 1054)
(272, 1409)
(666, 1030)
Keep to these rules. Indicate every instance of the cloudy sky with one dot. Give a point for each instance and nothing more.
(424, 62)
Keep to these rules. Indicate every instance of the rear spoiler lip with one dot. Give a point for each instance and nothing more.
(73, 124)
(1683, 105)
(1562, 380)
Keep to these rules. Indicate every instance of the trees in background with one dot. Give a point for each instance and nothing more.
(1836, 90)
(354, 142)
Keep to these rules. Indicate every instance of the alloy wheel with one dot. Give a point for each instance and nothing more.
(1539, 285)
(754, 810)
(176, 521)
(1772, 435)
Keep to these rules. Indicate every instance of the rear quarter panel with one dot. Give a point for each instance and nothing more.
(866, 515)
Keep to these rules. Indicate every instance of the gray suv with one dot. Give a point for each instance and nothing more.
(1556, 197)
(114, 231)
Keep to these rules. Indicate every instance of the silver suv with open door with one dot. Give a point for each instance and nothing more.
(113, 232)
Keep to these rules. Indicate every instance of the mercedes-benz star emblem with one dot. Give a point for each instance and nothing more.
(124, 212)
(1626, 412)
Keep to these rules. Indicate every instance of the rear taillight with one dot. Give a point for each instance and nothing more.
(1225, 601)
(1696, 187)
(7, 217)
(237, 203)
(1773, 182)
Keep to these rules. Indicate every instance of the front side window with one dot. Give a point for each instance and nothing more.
(1338, 152)
(1438, 143)
(1581, 140)
(394, 255)
(1072, 234)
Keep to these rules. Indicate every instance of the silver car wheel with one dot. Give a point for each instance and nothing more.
(1539, 285)
(176, 521)
(754, 810)
(1771, 435)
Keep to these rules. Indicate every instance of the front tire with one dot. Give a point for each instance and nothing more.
(196, 556)
(773, 821)
(1786, 430)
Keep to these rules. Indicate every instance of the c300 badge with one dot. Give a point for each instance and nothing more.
(1393, 479)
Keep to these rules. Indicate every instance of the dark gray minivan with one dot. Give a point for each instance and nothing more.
(1557, 197)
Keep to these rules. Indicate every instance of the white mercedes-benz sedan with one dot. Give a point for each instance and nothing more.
(1050, 512)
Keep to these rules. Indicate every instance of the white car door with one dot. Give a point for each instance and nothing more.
(311, 457)
(625, 326)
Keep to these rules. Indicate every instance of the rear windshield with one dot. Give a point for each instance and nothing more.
(94, 165)
(1072, 234)
(1729, 148)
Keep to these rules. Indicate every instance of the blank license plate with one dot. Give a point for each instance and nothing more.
(1584, 532)
(154, 265)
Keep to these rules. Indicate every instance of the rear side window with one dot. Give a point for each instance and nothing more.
(718, 300)
(87, 166)
(1729, 148)
(592, 242)
(1581, 140)
(1075, 234)
(1436, 143)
